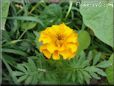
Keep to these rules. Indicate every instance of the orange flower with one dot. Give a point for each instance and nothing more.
(58, 40)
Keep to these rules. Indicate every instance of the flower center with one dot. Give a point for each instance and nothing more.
(59, 37)
(59, 40)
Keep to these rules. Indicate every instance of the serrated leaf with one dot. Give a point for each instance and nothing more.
(27, 67)
(68, 76)
(10, 60)
(94, 75)
(96, 58)
(73, 76)
(96, 70)
(21, 68)
(17, 73)
(32, 65)
(29, 80)
(110, 70)
(80, 77)
(84, 64)
(35, 79)
(89, 57)
(100, 72)
(22, 78)
(103, 64)
(81, 58)
(87, 77)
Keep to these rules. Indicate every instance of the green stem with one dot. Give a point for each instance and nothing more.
(22, 34)
(33, 8)
(25, 7)
(83, 27)
(69, 9)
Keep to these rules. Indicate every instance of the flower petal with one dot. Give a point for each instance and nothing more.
(72, 38)
(66, 54)
(51, 47)
(56, 55)
(43, 47)
(44, 38)
(47, 53)
(72, 46)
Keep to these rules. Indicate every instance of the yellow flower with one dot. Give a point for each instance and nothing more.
(58, 40)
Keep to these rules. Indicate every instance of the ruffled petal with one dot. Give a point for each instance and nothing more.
(51, 48)
(59, 40)
(72, 38)
(66, 54)
(56, 55)
(47, 53)
(72, 46)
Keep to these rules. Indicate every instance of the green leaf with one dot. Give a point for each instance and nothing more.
(10, 60)
(94, 75)
(110, 70)
(28, 72)
(85, 63)
(22, 78)
(5, 36)
(32, 65)
(87, 77)
(10, 71)
(100, 20)
(17, 73)
(21, 68)
(38, 44)
(25, 45)
(73, 76)
(80, 77)
(29, 80)
(52, 14)
(100, 72)
(84, 40)
(53, 10)
(5, 8)
(27, 18)
(28, 25)
(51, 78)
(14, 51)
(96, 58)
(90, 56)
(103, 64)
(81, 59)
(95, 70)
(68, 76)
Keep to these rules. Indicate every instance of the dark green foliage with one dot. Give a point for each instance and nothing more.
(24, 64)
(78, 70)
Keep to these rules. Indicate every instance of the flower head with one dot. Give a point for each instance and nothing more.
(58, 40)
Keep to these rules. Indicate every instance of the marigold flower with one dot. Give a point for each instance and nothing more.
(58, 40)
